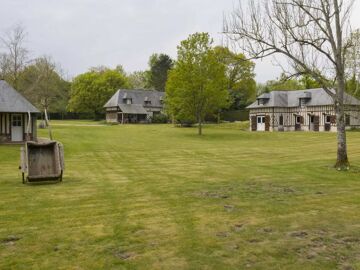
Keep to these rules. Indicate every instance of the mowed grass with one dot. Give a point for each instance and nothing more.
(159, 197)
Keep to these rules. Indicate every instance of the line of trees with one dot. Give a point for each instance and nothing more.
(42, 81)
(39, 79)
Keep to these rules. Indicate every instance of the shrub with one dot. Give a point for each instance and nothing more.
(159, 119)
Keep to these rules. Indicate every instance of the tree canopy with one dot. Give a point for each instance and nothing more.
(197, 85)
(42, 84)
(159, 64)
(240, 77)
(91, 90)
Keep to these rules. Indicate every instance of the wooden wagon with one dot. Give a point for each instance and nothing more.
(42, 161)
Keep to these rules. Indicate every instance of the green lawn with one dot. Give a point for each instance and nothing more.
(159, 197)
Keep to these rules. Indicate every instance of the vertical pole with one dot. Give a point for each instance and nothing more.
(122, 118)
(48, 124)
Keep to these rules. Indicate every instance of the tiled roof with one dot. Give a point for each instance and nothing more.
(315, 97)
(12, 101)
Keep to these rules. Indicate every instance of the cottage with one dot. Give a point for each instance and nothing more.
(134, 106)
(305, 110)
(17, 116)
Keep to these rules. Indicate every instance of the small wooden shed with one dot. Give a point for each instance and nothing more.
(17, 116)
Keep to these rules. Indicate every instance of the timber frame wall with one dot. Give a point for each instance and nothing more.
(5, 126)
(289, 114)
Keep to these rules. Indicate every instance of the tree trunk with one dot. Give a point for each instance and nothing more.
(200, 126)
(342, 162)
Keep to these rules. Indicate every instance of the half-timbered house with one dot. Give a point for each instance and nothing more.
(305, 110)
(17, 116)
(134, 106)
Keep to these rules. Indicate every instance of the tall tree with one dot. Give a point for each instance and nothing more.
(197, 86)
(91, 90)
(311, 35)
(240, 76)
(15, 57)
(159, 64)
(138, 80)
(42, 84)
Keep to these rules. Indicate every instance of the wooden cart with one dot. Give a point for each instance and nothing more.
(42, 161)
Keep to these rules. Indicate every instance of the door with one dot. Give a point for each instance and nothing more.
(261, 123)
(298, 121)
(16, 128)
(312, 122)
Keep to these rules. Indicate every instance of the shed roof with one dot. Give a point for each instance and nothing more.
(13, 101)
(315, 97)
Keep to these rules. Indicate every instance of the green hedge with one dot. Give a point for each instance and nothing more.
(238, 115)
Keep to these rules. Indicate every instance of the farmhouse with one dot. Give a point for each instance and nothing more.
(134, 106)
(17, 116)
(305, 110)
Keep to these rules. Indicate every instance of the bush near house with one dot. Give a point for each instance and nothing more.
(237, 115)
(159, 119)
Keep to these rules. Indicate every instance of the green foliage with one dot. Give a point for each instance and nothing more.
(288, 84)
(159, 65)
(43, 86)
(160, 119)
(237, 115)
(90, 91)
(139, 80)
(240, 75)
(308, 82)
(197, 86)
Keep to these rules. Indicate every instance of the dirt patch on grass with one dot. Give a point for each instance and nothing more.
(299, 234)
(342, 249)
(10, 239)
(214, 195)
(124, 255)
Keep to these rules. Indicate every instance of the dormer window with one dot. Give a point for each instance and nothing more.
(147, 101)
(263, 99)
(304, 98)
(127, 100)
(302, 102)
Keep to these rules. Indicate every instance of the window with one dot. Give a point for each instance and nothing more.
(328, 119)
(312, 119)
(128, 101)
(16, 120)
(347, 119)
(298, 119)
(261, 119)
(147, 102)
(281, 120)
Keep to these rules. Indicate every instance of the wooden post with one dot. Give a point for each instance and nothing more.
(122, 118)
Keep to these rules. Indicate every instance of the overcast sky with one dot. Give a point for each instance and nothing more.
(80, 34)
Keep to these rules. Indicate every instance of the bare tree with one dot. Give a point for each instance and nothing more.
(353, 60)
(16, 54)
(41, 82)
(5, 65)
(313, 37)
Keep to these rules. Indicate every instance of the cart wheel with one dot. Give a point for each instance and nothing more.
(23, 178)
